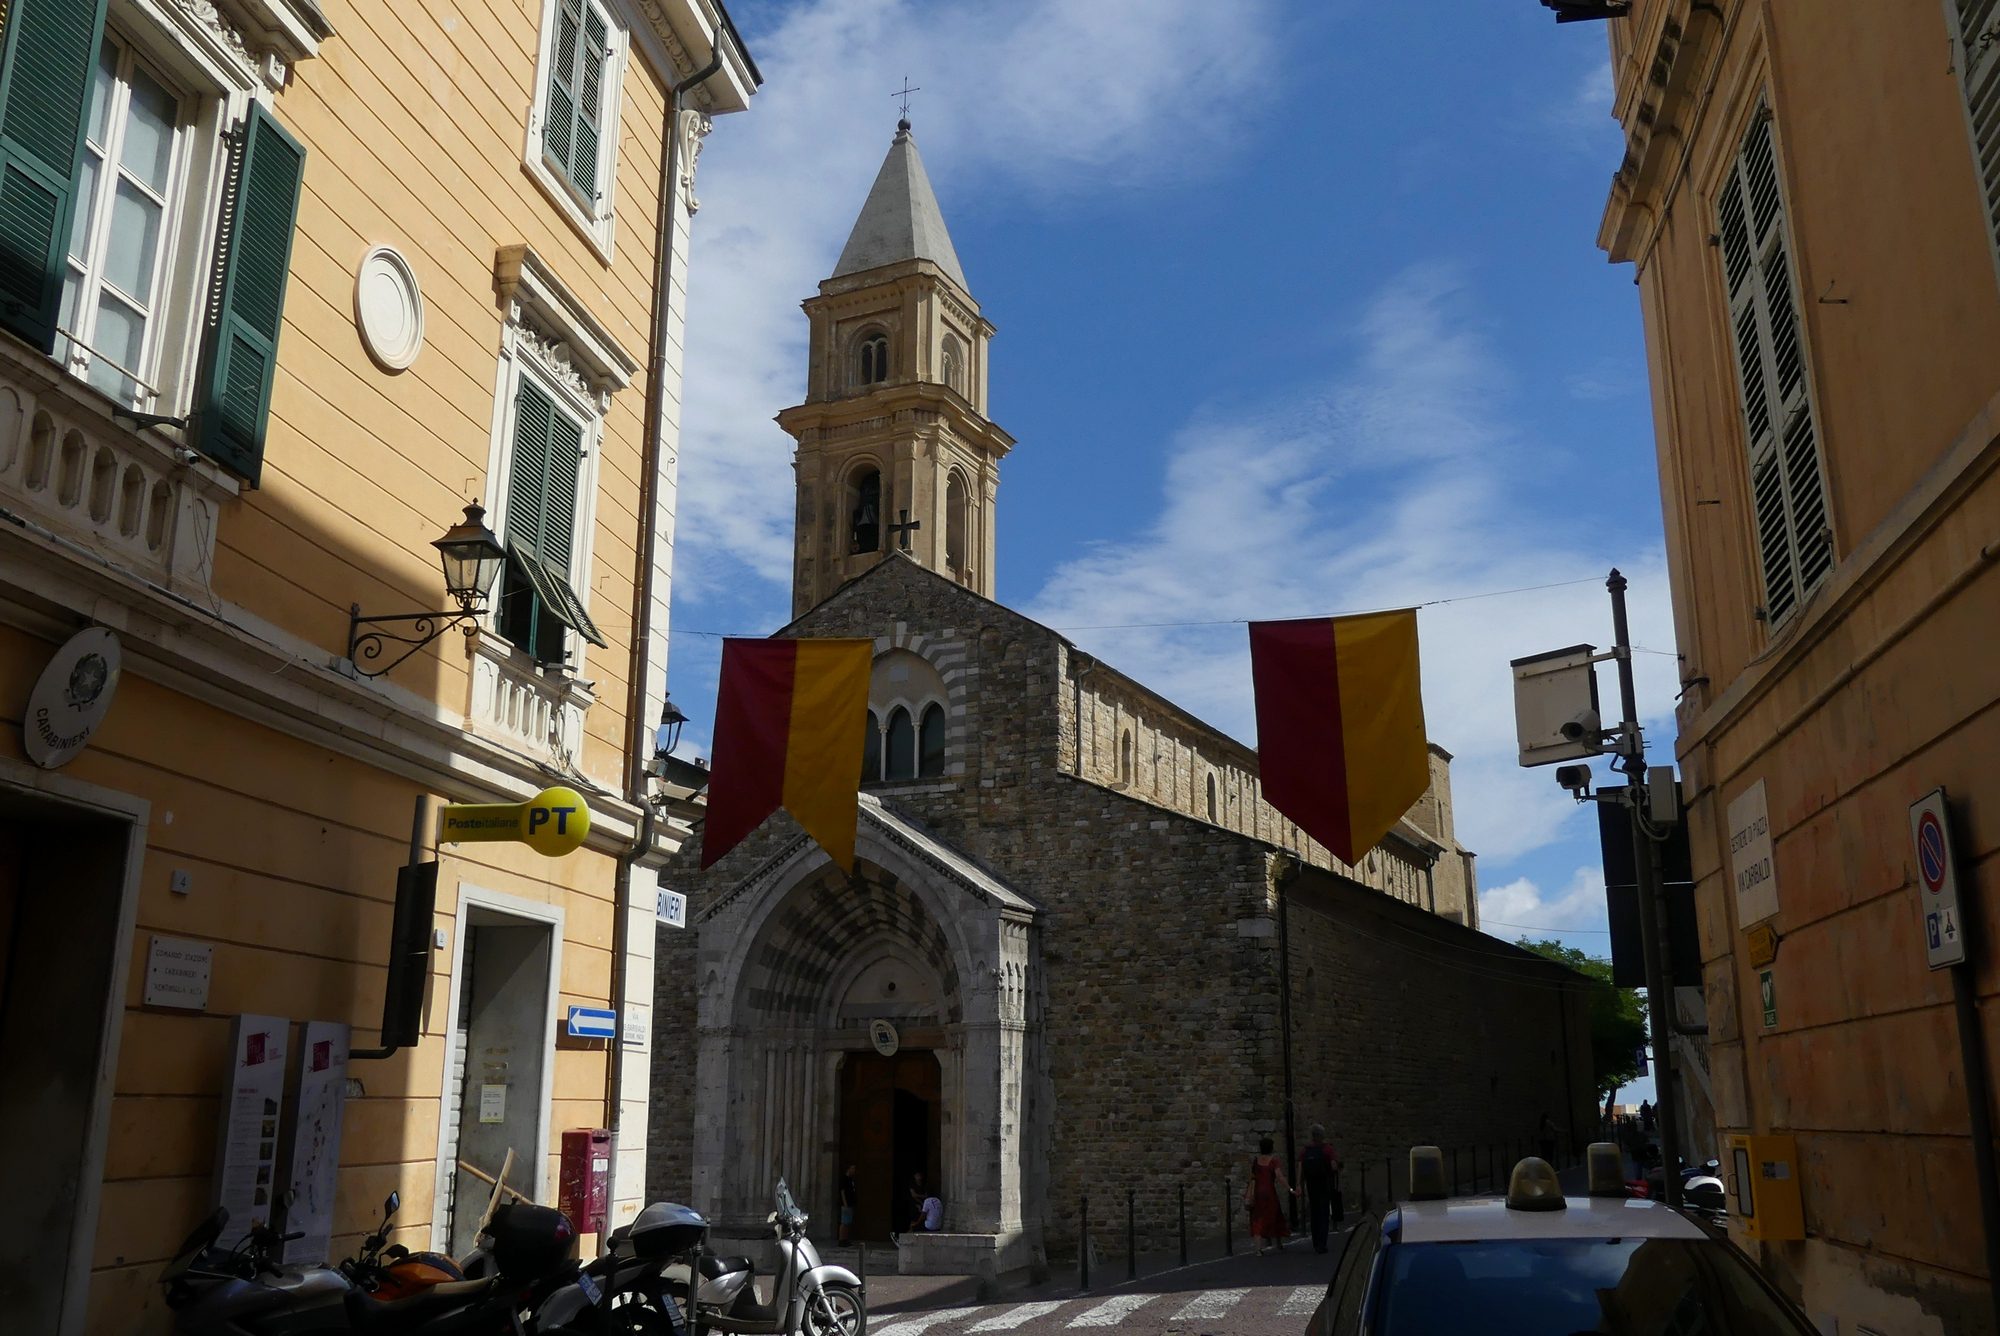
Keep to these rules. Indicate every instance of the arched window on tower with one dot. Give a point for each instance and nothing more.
(952, 364)
(902, 759)
(930, 743)
(954, 522)
(1125, 757)
(865, 525)
(873, 361)
(1211, 797)
(871, 750)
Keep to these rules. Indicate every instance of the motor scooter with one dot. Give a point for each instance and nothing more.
(806, 1297)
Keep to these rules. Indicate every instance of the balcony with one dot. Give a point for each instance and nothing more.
(537, 710)
(136, 499)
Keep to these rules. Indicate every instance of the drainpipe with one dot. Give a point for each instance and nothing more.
(635, 700)
(1283, 872)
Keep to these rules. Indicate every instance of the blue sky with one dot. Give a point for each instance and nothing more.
(1299, 312)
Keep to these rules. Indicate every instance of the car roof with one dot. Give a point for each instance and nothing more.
(1467, 1219)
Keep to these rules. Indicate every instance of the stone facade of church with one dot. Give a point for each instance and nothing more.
(1078, 953)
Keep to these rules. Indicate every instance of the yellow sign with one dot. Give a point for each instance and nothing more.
(553, 822)
(1763, 943)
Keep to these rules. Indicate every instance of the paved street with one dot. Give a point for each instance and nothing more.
(1257, 1296)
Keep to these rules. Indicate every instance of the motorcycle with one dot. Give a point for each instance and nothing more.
(246, 1291)
(626, 1290)
(806, 1298)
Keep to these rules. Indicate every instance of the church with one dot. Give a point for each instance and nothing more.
(1079, 953)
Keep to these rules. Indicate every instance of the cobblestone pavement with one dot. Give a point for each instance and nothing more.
(1251, 1295)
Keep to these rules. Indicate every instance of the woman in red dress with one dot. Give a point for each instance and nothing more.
(1267, 1217)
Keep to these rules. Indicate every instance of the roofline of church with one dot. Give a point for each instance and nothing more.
(1415, 836)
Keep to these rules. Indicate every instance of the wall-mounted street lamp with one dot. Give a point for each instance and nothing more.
(472, 558)
(666, 737)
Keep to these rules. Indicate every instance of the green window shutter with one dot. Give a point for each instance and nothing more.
(590, 100)
(527, 475)
(538, 598)
(47, 50)
(559, 123)
(254, 257)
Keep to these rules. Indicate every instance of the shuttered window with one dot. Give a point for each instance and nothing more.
(538, 598)
(253, 259)
(1787, 483)
(1976, 30)
(572, 126)
(48, 52)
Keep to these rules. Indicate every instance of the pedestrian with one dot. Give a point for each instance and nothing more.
(1646, 1114)
(1260, 1194)
(932, 1219)
(1546, 1134)
(1319, 1175)
(850, 1198)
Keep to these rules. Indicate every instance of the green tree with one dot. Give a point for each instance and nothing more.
(1617, 1016)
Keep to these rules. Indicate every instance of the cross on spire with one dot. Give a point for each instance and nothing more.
(904, 93)
(901, 530)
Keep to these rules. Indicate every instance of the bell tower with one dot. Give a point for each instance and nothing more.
(894, 430)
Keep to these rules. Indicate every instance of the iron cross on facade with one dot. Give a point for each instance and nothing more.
(901, 529)
(904, 93)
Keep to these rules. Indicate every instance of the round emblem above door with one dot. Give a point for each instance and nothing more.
(884, 1035)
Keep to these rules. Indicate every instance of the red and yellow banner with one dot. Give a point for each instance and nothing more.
(1340, 724)
(790, 720)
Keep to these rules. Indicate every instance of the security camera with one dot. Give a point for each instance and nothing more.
(1575, 778)
(1585, 725)
(185, 456)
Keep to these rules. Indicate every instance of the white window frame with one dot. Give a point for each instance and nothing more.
(216, 81)
(596, 223)
(571, 356)
(527, 355)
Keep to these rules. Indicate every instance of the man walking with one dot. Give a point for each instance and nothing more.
(1319, 1175)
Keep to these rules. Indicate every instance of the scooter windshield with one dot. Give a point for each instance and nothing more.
(787, 1207)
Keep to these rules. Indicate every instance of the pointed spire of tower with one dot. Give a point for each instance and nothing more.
(900, 220)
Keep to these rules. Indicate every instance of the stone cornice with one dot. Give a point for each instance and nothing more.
(1657, 110)
(888, 404)
(229, 658)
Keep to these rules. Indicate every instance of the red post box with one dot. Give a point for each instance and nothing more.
(585, 1195)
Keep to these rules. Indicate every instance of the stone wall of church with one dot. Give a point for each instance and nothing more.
(1486, 1038)
(1119, 734)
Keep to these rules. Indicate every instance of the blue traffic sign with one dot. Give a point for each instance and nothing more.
(592, 1023)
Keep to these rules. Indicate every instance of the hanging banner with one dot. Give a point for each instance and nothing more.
(314, 1152)
(247, 1157)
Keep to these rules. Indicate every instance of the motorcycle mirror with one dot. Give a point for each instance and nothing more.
(389, 1206)
(287, 1197)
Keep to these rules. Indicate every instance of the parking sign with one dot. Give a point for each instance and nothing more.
(1937, 880)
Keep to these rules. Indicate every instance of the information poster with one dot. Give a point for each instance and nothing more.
(314, 1154)
(249, 1153)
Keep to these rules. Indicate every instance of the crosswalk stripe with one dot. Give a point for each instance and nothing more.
(1017, 1315)
(922, 1322)
(1112, 1311)
(1211, 1305)
(1304, 1299)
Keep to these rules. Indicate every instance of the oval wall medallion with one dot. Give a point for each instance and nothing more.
(389, 308)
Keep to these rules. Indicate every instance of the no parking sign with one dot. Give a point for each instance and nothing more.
(1937, 880)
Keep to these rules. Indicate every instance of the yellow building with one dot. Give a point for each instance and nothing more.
(284, 285)
(1808, 201)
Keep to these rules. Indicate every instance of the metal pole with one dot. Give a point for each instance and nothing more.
(1652, 898)
(1131, 1238)
(1183, 1209)
(1978, 1087)
(1083, 1243)
(1285, 1033)
(1228, 1217)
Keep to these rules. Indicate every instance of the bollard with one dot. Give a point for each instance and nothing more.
(1228, 1217)
(1389, 1179)
(864, 1270)
(1083, 1243)
(1131, 1237)
(1183, 1209)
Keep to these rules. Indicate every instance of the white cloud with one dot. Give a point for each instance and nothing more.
(1394, 484)
(1098, 96)
(1522, 908)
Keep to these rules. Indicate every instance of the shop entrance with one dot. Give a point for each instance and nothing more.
(889, 1124)
(499, 1058)
(63, 936)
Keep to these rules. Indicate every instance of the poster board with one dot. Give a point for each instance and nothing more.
(246, 1158)
(313, 1145)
